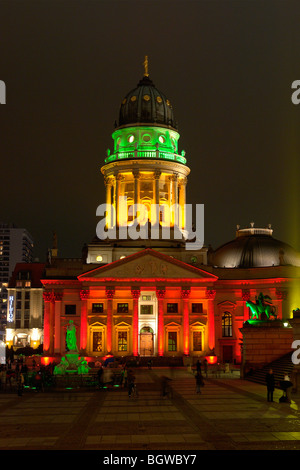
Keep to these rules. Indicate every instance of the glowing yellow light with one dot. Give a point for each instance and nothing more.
(35, 335)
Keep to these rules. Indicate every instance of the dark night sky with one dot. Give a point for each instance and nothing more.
(226, 66)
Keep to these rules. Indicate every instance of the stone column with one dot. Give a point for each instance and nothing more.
(108, 184)
(47, 303)
(110, 292)
(156, 178)
(182, 201)
(117, 196)
(84, 295)
(185, 293)
(160, 294)
(280, 296)
(175, 197)
(210, 295)
(135, 292)
(246, 297)
(57, 327)
(136, 176)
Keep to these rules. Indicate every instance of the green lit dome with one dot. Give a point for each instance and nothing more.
(146, 105)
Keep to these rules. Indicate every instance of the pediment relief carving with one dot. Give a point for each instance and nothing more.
(148, 265)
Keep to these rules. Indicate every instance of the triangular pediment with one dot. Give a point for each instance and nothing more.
(226, 304)
(148, 264)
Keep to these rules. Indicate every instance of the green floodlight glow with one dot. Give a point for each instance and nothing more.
(145, 142)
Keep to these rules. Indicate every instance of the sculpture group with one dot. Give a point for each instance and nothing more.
(71, 362)
(262, 306)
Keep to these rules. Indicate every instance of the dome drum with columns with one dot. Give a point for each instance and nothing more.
(145, 166)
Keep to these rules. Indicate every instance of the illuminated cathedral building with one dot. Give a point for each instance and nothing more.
(152, 296)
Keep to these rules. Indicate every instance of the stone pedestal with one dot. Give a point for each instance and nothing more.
(295, 324)
(73, 360)
(264, 342)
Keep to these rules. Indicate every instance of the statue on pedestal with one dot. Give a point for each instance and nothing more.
(71, 337)
(262, 305)
(71, 363)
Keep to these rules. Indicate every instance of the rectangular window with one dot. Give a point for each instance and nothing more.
(122, 341)
(97, 341)
(197, 341)
(122, 308)
(18, 319)
(197, 308)
(172, 341)
(227, 324)
(146, 298)
(70, 309)
(26, 318)
(146, 310)
(172, 308)
(97, 308)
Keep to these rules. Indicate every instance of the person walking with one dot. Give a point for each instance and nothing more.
(288, 387)
(270, 380)
(20, 384)
(131, 381)
(3, 378)
(100, 376)
(205, 367)
(125, 377)
(199, 382)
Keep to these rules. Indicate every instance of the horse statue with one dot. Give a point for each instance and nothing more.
(263, 305)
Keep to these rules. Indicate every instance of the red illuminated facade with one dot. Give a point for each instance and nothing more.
(188, 311)
(155, 298)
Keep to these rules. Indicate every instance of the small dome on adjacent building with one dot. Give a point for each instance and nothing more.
(255, 248)
(146, 105)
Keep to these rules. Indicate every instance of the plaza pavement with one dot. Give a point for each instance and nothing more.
(229, 415)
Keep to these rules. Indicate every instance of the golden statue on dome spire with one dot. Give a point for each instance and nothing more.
(145, 64)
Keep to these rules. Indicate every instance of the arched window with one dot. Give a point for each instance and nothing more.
(227, 324)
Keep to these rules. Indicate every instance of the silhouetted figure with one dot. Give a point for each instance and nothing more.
(270, 380)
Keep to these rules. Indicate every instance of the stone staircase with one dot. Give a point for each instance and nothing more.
(280, 367)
